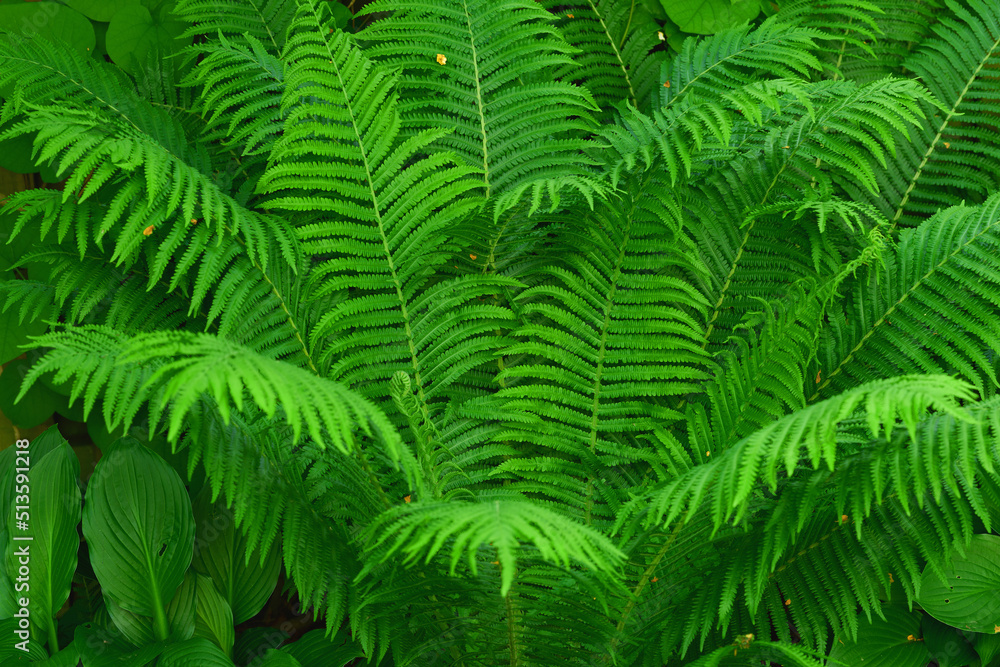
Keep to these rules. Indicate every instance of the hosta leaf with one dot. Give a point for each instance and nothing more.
(893, 642)
(214, 618)
(100, 647)
(969, 598)
(195, 652)
(140, 528)
(705, 17)
(245, 581)
(316, 649)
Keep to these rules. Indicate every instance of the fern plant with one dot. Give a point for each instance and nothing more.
(528, 343)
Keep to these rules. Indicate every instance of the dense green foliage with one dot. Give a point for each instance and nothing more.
(522, 339)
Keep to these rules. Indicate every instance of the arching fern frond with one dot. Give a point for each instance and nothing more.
(303, 498)
(389, 213)
(733, 58)
(930, 310)
(953, 156)
(583, 390)
(615, 42)
(484, 69)
(242, 21)
(780, 163)
(201, 364)
(240, 87)
(761, 378)
(726, 483)
(503, 520)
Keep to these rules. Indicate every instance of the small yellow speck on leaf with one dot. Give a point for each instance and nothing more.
(194, 221)
(947, 145)
(661, 36)
(441, 59)
(496, 562)
(996, 629)
(471, 256)
(788, 602)
(666, 84)
(843, 518)
(891, 580)
(786, 146)
(817, 375)
(406, 499)
(147, 231)
(570, 16)
(655, 579)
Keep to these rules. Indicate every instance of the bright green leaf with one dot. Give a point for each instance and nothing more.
(135, 34)
(140, 528)
(706, 17)
(220, 552)
(214, 618)
(889, 643)
(195, 652)
(100, 10)
(969, 599)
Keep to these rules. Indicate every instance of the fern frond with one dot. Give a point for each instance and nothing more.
(610, 328)
(762, 376)
(734, 57)
(390, 210)
(494, 90)
(953, 157)
(201, 364)
(304, 498)
(727, 483)
(240, 87)
(616, 54)
(792, 152)
(263, 21)
(421, 529)
(929, 313)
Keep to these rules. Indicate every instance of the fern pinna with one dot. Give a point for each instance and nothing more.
(528, 341)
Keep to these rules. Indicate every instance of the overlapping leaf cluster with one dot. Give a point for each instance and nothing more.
(568, 351)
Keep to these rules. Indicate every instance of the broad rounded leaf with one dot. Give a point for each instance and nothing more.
(220, 552)
(14, 334)
(705, 17)
(949, 646)
(13, 655)
(100, 10)
(195, 652)
(134, 33)
(138, 522)
(135, 629)
(101, 647)
(275, 658)
(214, 619)
(37, 404)
(969, 598)
(315, 648)
(893, 642)
(55, 22)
